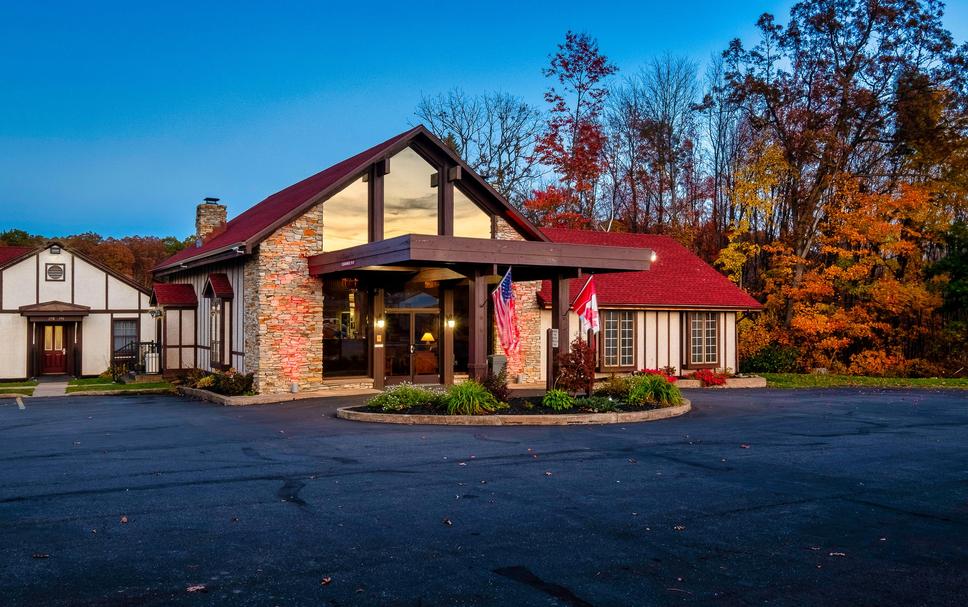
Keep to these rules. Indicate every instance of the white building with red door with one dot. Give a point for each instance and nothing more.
(62, 313)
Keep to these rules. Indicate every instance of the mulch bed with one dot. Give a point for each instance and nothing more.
(519, 406)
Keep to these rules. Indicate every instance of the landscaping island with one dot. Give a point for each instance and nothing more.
(642, 397)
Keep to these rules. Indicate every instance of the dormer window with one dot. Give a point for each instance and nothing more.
(55, 250)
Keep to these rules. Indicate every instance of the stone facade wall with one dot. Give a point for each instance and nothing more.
(209, 218)
(527, 364)
(284, 308)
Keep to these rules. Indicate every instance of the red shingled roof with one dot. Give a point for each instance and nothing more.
(8, 254)
(170, 294)
(220, 285)
(280, 204)
(678, 278)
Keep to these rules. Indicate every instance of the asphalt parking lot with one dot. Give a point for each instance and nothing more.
(837, 497)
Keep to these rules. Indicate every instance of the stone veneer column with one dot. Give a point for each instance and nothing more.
(527, 364)
(284, 309)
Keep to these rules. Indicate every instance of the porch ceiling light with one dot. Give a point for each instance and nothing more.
(451, 323)
(380, 323)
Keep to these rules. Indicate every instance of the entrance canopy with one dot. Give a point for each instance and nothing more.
(531, 260)
(54, 310)
(476, 260)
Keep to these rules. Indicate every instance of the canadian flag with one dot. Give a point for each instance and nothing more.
(586, 307)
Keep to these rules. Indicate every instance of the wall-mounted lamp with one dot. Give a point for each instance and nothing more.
(380, 323)
(451, 323)
(653, 257)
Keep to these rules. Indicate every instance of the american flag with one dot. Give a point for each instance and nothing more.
(506, 316)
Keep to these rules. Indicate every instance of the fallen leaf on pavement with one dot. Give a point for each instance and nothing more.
(838, 554)
(679, 528)
(40, 555)
(448, 522)
(124, 519)
(197, 588)
(548, 473)
(744, 446)
(326, 581)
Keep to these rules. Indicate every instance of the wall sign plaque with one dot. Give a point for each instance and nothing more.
(55, 272)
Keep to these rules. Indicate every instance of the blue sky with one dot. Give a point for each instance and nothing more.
(119, 117)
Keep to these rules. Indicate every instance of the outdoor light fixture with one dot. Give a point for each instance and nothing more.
(654, 257)
(380, 323)
(451, 323)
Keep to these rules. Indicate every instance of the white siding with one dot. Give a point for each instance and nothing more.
(13, 346)
(95, 344)
(121, 296)
(88, 285)
(55, 290)
(20, 284)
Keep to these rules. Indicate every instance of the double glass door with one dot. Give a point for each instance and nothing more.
(412, 346)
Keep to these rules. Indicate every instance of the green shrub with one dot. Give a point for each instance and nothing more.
(402, 397)
(596, 404)
(614, 387)
(558, 400)
(470, 398)
(645, 389)
(205, 382)
(772, 359)
(232, 383)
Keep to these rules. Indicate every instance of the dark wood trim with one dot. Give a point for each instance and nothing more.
(477, 326)
(375, 200)
(635, 344)
(447, 353)
(690, 365)
(377, 335)
(117, 311)
(445, 209)
(531, 260)
(560, 307)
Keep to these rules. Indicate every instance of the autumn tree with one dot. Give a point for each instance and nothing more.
(822, 89)
(572, 142)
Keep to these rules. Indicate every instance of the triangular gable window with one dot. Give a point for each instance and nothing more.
(409, 198)
(345, 217)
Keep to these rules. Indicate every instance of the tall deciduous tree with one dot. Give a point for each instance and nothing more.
(573, 140)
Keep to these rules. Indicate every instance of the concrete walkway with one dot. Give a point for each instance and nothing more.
(51, 386)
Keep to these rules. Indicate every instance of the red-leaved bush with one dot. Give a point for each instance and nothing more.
(708, 377)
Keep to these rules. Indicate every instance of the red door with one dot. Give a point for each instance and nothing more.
(55, 350)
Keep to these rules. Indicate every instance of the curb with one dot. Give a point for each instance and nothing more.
(120, 392)
(268, 399)
(568, 419)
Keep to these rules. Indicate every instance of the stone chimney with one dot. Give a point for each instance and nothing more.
(209, 218)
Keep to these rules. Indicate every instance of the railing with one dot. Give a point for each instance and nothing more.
(136, 357)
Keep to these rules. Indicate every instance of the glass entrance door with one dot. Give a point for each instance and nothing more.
(412, 346)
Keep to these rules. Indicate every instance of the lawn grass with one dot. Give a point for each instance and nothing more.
(17, 384)
(798, 380)
(119, 387)
(88, 381)
(21, 391)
